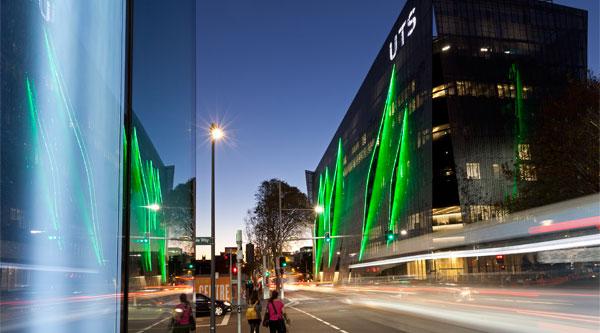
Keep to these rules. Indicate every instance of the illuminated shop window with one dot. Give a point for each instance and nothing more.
(473, 171)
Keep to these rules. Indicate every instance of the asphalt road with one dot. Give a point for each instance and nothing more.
(445, 309)
(312, 309)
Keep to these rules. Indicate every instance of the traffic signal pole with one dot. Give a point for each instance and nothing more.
(240, 257)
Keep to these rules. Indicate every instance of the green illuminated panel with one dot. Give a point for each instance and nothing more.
(319, 229)
(381, 166)
(399, 195)
(336, 200)
(91, 220)
(146, 191)
(39, 135)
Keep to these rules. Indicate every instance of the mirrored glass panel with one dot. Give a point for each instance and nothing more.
(62, 69)
(161, 144)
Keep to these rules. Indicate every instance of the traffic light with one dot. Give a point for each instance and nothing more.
(191, 265)
(500, 261)
(327, 237)
(234, 270)
(250, 253)
(267, 273)
(390, 236)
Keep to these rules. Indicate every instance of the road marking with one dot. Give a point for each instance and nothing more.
(224, 322)
(319, 319)
(226, 319)
(151, 326)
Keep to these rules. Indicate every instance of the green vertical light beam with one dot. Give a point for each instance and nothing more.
(399, 195)
(337, 194)
(381, 160)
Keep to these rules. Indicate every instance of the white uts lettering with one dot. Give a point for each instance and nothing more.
(409, 23)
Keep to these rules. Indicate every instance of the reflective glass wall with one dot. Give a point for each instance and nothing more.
(62, 69)
(161, 145)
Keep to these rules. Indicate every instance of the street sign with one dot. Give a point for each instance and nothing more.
(203, 241)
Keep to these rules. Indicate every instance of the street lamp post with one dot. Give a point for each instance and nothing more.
(216, 133)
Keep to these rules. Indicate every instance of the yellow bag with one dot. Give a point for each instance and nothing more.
(251, 313)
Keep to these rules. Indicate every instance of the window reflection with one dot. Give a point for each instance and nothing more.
(62, 110)
(162, 162)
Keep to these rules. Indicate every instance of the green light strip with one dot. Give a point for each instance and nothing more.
(91, 224)
(337, 198)
(54, 194)
(381, 161)
(400, 182)
(319, 227)
(145, 191)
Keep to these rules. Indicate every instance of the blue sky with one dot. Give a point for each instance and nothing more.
(281, 75)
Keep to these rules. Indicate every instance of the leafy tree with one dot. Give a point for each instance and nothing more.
(563, 160)
(269, 231)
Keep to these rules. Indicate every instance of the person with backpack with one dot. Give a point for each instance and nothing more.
(275, 316)
(183, 320)
(253, 313)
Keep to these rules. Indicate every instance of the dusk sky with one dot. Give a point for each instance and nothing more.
(280, 75)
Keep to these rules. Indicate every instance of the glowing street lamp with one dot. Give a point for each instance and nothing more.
(216, 134)
(319, 209)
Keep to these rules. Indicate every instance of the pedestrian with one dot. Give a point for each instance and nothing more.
(183, 320)
(275, 315)
(253, 313)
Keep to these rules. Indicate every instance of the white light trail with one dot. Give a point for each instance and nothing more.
(560, 244)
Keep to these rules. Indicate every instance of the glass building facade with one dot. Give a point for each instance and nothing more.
(421, 152)
(95, 208)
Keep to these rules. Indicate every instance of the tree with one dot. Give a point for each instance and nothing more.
(178, 214)
(561, 160)
(266, 228)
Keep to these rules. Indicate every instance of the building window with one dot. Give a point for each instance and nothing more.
(439, 91)
(527, 172)
(496, 170)
(524, 151)
(473, 171)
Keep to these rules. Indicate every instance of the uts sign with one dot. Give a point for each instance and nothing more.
(410, 23)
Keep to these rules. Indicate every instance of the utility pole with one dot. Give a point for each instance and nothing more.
(230, 274)
(213, 320)
(240, 256)
(277, 272)
(265, 279)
